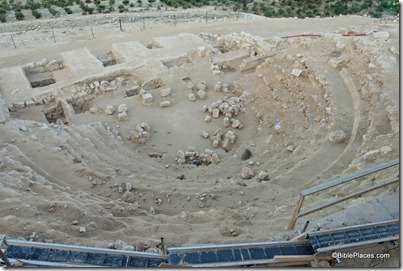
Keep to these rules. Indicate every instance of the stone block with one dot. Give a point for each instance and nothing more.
(165, 92)
(216, 113)
(109, 110)
(147, 98)
(165, 103)
(296, 72)
(122, 116)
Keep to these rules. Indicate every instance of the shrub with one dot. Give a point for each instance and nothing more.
(268, 12)
(380, 8)
(181, 177)
(30, 4)
(246, 154)
(3, 18)
(364, 6)
(17, 7)
(36, 14)
(86, 9)
(375, 14)
(109, 9)
(101, 8)
(5, 5)
(290, 11)
(53, 11)
(395, 5)
(122, 8)
(340, 7)
(68, 10)
(19, 16)
(125, 2)
(285, 13)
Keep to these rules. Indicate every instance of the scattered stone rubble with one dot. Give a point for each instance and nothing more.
(254, 45)
(141, 132)
(120, 245)
(122, 112)
(150, 245)
(221, 139)
(247, 173)
(228, 107)
(191, 156)
(263, 175)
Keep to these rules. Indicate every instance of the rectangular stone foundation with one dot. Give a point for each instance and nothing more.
(81, 63)
(14, 83)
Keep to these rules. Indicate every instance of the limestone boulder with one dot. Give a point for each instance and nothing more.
(338, 136)
(93, 110)
(263, 175)
(216, 113)
(109, 110)
(201, 94)
(122, 116)
(192, 97)
(147, 98)
(371, 156)
(165, 92)
(247, 173)
(296, 72)
(122, 108)
(201, 86)
(385, 149)
(165, 103)
(128, 197)
(215, 159)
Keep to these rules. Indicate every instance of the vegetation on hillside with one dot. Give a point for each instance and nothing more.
(268, 8)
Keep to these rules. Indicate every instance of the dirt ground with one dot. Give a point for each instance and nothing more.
(57, 178)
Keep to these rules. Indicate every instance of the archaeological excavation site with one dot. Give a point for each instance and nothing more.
(260, 142)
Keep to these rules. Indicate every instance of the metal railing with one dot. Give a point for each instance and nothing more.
(318, 188)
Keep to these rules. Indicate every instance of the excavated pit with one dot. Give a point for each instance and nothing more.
(56, 115)
(217, 145)
(107, 59)
(41, 73)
